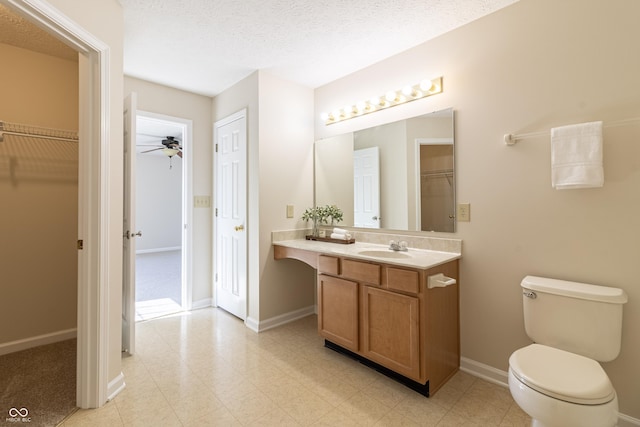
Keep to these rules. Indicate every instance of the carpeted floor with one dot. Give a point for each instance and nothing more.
(158, 284)
(38, 385)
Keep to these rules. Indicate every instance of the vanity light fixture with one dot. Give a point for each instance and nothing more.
(392, 98)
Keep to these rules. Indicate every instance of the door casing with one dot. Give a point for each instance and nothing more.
(93, 387)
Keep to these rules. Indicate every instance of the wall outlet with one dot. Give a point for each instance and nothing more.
(464, 212)
(289, 211)
(201, 202)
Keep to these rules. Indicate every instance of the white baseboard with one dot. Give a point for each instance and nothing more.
(203, 303)
(154, 250)
(26, 343)
(486, 372)
(115, 386)
(496, 376)
(260, 326)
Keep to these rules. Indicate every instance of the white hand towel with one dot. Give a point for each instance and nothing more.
(337, 230)
(576, 156)
(339, 236)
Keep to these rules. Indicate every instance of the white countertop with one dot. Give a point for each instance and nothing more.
(415, 258)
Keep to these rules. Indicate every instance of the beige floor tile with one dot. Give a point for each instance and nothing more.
(364, 409)
(207, 369)
(307, 408)
(396, 419)
(421, 410)
(333, 390)
(516, 417)
(250, 407)
(456, 420)
(275, 418)
(335, 418)
(222, 418)
(388, 391)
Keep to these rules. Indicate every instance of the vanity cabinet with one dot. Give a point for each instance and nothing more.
(391, 330)
(338, 311)
(387, 315)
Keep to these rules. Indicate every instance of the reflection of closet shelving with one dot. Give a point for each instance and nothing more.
(37, 153)
(439, 173)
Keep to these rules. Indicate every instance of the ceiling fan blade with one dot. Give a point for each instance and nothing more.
(155, 149)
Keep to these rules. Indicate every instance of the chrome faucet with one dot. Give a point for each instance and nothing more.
(398, 246)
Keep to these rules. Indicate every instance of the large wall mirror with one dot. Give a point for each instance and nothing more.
(397, 176)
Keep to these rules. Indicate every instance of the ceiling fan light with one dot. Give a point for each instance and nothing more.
(170, 152)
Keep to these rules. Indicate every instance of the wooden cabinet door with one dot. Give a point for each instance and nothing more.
(390, 330)
(338, 311)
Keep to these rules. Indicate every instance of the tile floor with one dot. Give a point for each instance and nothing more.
(205, 368)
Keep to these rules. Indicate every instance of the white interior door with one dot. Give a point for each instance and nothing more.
(366, 188)
(128, 226)
(230, 276)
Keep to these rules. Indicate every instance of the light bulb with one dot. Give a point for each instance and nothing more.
(324, 116)
(426, 85)
(391, 96)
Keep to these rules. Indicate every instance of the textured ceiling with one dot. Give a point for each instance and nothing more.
(205, 46)
(18, 32)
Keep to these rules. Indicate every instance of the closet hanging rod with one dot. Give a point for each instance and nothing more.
(441, 172)
(36, 132)
(511, 139)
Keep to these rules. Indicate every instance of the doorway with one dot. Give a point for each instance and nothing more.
(161, 215)
(92, 386)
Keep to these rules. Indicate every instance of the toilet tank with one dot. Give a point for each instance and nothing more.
(576, 317)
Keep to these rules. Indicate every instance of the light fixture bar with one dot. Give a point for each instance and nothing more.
(392, 98)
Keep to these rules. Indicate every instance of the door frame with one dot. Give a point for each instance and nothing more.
(94, 202)
(418, 184)
(187, 206)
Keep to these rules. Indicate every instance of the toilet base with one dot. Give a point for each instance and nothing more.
(546, 411)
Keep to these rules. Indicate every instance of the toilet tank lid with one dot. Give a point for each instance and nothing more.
(575, 289)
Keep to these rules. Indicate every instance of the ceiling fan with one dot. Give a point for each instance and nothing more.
(170, 147)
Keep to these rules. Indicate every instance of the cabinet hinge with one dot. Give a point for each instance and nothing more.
(80, 244)
(216, 148)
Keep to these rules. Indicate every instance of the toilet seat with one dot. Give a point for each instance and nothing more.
(562, 375)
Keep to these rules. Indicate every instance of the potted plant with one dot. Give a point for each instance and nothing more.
(321, 215)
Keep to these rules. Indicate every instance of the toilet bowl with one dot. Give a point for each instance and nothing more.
(558, 380)
(561, 389)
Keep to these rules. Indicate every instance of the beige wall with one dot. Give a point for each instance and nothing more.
(155, 98)
(527, 68)
(39, 214)
(286, 178)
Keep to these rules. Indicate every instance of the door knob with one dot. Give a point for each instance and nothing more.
(239, 227)
(130, 235)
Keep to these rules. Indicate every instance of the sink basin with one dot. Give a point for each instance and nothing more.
(384, 254)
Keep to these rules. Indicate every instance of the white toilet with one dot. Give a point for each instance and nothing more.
(557, 380)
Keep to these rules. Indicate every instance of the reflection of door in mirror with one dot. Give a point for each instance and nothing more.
(366, 188)
(436, 190)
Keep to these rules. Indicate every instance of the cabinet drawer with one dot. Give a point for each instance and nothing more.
(399, 279)
(329, 265)
(361, 271)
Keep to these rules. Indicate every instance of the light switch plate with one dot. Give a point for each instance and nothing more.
(289, 211)
(201, 201)
(464, 212)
